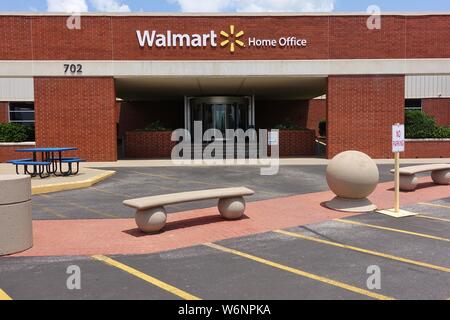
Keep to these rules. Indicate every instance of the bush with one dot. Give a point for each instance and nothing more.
(288, 125)
(30, 133)
(323, 128)
(155, 126)
(419, 125)
(14, 132)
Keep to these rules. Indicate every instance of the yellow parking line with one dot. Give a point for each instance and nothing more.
(79, 206)
(160, 284)
(432, 218)
(50, 210)
(300, 272)
(4, 296)
(393, 230)
(371, 252)
(434, 205)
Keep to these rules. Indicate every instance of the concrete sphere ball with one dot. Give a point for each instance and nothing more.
(352, 175)
(151, 220)
(441, 177)
(408, 183)
(232, 208)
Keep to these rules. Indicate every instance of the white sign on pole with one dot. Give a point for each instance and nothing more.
(398, 138)
(273, 138)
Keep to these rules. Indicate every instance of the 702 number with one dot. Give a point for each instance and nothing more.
(73, 68)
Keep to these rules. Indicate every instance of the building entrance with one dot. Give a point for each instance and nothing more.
(221, 113)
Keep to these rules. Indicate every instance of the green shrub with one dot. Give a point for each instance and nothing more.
(419, 125)
(288, 125)
(323, 128)
(31, 136)
(442, 133)
(14, 132)
(155, 126)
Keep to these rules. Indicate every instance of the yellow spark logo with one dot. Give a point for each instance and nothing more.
(232, 39)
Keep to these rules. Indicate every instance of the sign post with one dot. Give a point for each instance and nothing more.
(398, 146)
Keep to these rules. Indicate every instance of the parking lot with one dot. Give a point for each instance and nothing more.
(327, 260)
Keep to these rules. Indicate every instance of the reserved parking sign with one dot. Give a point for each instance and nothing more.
(398, 138)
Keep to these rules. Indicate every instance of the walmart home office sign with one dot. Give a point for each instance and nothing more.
(231, 39)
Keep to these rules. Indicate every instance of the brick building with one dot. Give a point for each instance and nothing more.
(92, 81)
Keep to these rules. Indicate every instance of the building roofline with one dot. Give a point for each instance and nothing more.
(222, 14)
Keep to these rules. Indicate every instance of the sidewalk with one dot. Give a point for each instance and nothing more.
(185, 229)
(283, 162)
(85, 178)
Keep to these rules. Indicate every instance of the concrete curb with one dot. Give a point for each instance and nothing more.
(72, 185)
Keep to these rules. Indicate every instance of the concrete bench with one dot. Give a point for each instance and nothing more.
(151, 216)
(440, 173)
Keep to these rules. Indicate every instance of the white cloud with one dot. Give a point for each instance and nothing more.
(203, 5)
(110, 6)
(82, 6)
(256, 5)
(67, 5)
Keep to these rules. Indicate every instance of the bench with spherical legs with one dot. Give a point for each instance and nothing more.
(151, 216)
(440, 174)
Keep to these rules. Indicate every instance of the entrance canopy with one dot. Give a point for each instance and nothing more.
(265, 87)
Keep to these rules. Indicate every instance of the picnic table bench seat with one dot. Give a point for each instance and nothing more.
(40, 167)
(50, 162)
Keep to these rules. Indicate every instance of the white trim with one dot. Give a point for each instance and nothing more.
(12, 144)
(198, 68)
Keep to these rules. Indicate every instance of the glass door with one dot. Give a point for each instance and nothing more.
(220, 113)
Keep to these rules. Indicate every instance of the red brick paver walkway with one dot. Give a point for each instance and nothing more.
(88, 237)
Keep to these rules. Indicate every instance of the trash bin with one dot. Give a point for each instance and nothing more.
(16, 230)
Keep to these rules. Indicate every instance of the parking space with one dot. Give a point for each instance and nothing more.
(104, 201)
(328, 260)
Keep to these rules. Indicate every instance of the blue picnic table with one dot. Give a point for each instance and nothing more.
(50, 162)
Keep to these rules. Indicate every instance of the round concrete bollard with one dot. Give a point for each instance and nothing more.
(16, 228)
(232, 208)
(408, 182)
(441, 177)
(352, 176)
(151, 220)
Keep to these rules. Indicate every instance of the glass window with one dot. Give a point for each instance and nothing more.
(413, 104)
(21, 112)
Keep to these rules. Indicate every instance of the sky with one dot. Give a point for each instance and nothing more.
(222, 5)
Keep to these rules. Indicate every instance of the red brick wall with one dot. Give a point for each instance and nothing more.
(427, 37)
(15, 38)
(8, 151)
(297, 143)
(77, 112)
(350, 38)
(317, 111)
(4, 112)
(334, 37)
(361, 111)
(137, 115)
(439, 109)
(304, 113)
(149, 145)
(427, 149)
(314, 28)
(269, 113)
(52, 40)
